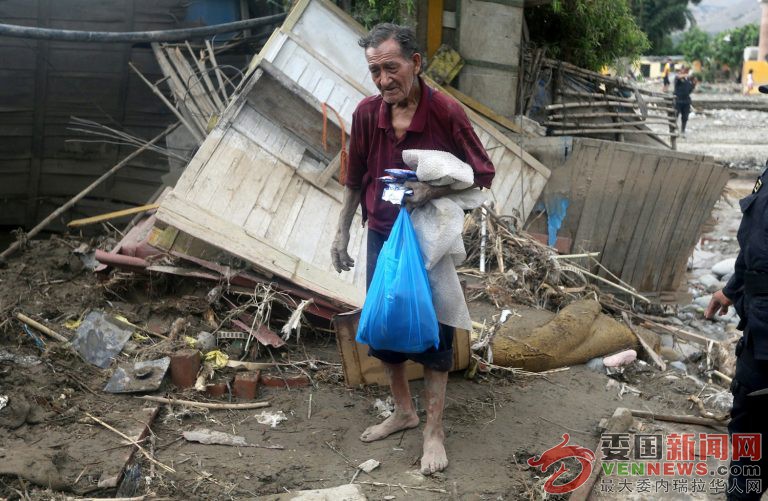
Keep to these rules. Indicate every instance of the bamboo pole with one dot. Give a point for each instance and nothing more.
(205, 405)
(592, 75)
(193, 85)
(40, 327)
(678, 419)
(722, 376)
(76, 223)
(595, 104)
(134, 443)
(599, 114)
(216, 69)
(657, 360)
(605, 97)
(45, 222)
(580, 132)
(206, 78)
(178, 89)
(192, 128)
(605, 125)
(681, 333)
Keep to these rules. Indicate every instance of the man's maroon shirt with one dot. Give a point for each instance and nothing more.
(438, 124)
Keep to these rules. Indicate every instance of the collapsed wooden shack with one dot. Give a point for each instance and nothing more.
(260, 186)
(572, 101)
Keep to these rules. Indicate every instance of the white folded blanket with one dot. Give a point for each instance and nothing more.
(439, 225)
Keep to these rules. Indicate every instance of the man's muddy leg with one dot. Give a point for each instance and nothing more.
(434, 458)
(404, 416)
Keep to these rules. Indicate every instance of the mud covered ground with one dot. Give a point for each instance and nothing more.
(493, 423)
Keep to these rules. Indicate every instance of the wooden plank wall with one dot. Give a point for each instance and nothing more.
(43, 84)
(641, 208)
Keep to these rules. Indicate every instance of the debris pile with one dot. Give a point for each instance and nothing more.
(208, 300)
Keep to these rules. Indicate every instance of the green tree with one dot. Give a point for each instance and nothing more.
(695, 45)
(371, 12)
(728, 46)
(659, 18)
(588, 33)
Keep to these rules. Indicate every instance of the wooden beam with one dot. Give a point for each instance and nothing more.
(434, 26)
(682, 334)
(76, 223)
(484, 110)
(680, 419)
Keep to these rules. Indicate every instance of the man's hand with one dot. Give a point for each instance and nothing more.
(422, 193)
(718, 302)
(339, 255)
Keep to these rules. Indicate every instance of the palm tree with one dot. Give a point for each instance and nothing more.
(659, 18)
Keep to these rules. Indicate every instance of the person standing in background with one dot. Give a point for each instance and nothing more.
(750, 84)
(684, 86)
(665, 74)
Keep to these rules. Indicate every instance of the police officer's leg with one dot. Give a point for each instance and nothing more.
(748, 477)
(685, 110)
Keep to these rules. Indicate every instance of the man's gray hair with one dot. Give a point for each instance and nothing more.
(404, 35)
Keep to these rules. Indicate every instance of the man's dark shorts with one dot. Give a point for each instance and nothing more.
(440, 359)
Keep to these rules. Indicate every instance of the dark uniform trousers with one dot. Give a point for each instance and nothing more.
(748, 289)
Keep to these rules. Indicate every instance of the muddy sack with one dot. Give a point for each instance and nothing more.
(398, 314)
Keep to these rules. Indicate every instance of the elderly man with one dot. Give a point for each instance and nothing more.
(406, 115)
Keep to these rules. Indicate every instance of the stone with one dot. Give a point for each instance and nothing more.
(206, 341)
(689, 352)
(724, 267)
(703, 301)
(667, 340)
(679, 366)
(710, 282)
(674, 321)
(596, 364)
(669, 354)
(728, 316)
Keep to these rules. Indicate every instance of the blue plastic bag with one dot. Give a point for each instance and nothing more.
(398, 314)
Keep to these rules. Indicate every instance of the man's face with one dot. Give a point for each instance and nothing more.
(393, 74)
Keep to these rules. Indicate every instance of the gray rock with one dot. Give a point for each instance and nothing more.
(678, 366)
(727, 317)
(689, 351)
(709, 281)
(667, 340)
(669, 354)
(206, 341)
(703, 301)
(596, 364)
(727, 277)
(724, 267)
(688, 311)
(674, 321)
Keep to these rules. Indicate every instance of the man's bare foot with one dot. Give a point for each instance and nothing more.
(434, 458)
(396, 422)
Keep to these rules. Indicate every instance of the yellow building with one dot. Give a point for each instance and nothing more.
(652, 67)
